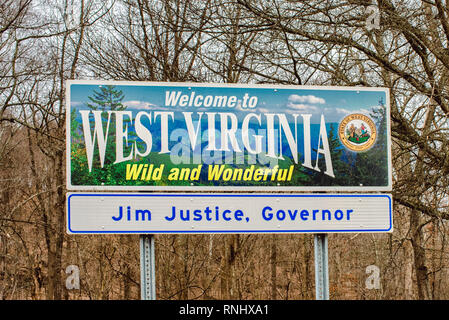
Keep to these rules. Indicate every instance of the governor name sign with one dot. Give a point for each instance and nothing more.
(227, 213)
(221, 137)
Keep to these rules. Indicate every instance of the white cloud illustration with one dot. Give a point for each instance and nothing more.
(76, 103)
(139, 105)
(294, 98)
(302, 107)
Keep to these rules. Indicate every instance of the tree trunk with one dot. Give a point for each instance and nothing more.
(273, 267)
(419, 255)
(230, 249)
(408, 271)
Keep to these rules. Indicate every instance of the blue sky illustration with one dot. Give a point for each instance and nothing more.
(333, 103)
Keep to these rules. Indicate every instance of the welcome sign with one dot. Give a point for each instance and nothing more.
(191, 136)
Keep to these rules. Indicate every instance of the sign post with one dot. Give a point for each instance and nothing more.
(147, 267)
(321, 267)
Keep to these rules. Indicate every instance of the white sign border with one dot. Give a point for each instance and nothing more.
(71, 187)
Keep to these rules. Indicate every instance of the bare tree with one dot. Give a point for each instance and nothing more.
(408, 54)
(45, 42)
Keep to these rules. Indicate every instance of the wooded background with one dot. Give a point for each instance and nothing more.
(318, 42)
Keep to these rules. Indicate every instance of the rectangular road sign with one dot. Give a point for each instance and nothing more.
(96, 213)
(132, 136)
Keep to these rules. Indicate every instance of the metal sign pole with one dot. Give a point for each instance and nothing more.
(147, 268)
(321, 267)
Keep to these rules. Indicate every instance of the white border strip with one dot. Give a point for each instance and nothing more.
(224, 188)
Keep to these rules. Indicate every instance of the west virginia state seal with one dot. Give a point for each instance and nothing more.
(357, 132)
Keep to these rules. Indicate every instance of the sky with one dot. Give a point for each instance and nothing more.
(335, 104)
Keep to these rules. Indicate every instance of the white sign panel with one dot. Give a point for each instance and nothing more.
(92, 213)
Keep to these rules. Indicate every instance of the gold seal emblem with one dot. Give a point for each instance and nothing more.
(357, 132)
